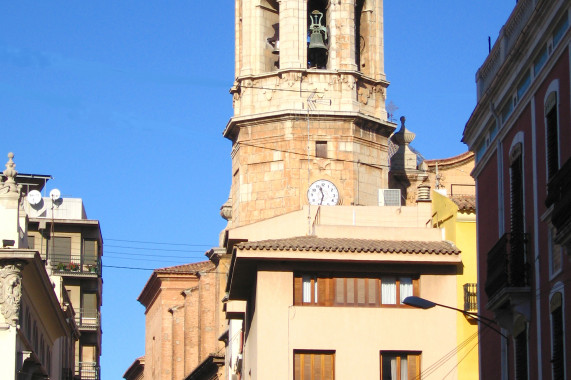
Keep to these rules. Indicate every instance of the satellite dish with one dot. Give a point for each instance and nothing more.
(55, 195)
(34, 197)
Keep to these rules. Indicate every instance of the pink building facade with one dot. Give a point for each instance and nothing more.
(520, 131)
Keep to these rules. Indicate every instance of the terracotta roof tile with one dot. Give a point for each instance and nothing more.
(464, 202)
(187, 268)
(313, 243)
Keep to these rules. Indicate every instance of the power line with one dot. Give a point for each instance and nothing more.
(142, 254)
(161, 243)
(152, 249)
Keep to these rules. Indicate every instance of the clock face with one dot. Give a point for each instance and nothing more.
(323, 192)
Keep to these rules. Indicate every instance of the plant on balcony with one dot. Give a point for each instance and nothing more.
(92, 268)
(73, 267)
(61, 266)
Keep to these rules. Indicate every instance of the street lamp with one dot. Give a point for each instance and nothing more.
(422, 303)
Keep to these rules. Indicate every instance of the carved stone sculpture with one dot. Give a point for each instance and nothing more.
(11, 291)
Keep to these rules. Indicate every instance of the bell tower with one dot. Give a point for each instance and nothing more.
(309, 106)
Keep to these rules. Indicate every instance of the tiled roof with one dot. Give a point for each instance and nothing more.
(313, 243)
(187, 268)
(465, 202)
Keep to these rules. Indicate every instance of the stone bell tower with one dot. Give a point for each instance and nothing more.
(309, 105)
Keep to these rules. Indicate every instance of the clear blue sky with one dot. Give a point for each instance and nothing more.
(124, 102)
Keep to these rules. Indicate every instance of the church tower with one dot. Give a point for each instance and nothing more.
(309, 122)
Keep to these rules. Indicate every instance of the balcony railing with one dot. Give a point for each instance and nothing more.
(87, 371)
(87, 319)
(559, 195)
(471, 298)
(506, 264)
(76, 264)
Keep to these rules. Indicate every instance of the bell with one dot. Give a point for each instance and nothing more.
(316, 40)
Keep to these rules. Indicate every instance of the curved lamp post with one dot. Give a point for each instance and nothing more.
(422, 303)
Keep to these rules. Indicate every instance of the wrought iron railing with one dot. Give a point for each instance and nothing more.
(559, 195)
(507, 264)
(87, 371)
(87, 318)
(471, 298)
(76, 264)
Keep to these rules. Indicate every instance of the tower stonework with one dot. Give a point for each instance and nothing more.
(303, 114)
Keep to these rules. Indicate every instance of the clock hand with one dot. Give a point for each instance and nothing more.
(322, 195)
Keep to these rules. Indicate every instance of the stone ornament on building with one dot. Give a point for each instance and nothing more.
(226, 210)
(11, 291)
(10, 185)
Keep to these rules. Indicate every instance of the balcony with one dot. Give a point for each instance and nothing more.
(76, 265)
(507, 283)
(88, 319)
(471, 298)
(87, 371)
(559, 195)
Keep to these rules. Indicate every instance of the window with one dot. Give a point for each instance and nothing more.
(557, 348)
(517, 246)
(31, 242)
(521, 355)
(523, 85)
(353, 291)
(61, 248)
(321, 149)
(552, 141)
(560, 29)
(540, 61)
(555, 251)
(314, 365)
(400, 365)
(90, 251)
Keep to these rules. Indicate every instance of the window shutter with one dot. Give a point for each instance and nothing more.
(516, 194)
(350, 291)
(557, 344)
(90, 252)
(62, 248)
(521, 356)
(360, 291)
(329, 367)
(339, 291)
(317, 366)
(297, 366)
(372, 291)
(413, 366)
(552, 143)
(297, 291)
(322, 291)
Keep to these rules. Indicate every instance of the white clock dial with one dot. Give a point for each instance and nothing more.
(323, 192)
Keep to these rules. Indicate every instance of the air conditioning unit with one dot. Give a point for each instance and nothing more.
(389, 197)
(239, 363)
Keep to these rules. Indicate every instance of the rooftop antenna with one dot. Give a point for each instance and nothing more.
(55, 196)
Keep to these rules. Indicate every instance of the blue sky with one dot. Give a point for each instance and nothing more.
(124, 104)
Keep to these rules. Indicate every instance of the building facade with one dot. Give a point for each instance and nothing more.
(520, 134)
(71, 246)
(37, 322)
